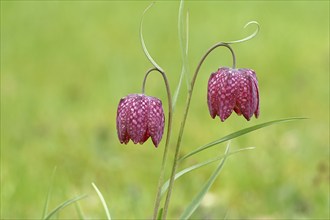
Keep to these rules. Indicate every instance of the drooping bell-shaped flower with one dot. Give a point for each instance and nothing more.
(233, 89)
(140, 117)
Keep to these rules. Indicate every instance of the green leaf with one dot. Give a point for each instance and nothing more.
(102, 201)
(199, 165)
(79, 211)
(237, 134)
(198, 198)
(183, 30)
(160, 214)
(48, 194)
(248, 37)
(63, 205)
(144, 45)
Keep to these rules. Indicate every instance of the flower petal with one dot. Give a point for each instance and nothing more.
(212, 93)
(255, 83)
(246, 98)
(236, 109)
(122, 120)
(137, 119)
(155, 120)
(227, 92)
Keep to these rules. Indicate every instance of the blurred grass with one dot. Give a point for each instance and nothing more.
(66, 64)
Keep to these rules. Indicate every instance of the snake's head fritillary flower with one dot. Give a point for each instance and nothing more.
(233, 89)
(140, 117)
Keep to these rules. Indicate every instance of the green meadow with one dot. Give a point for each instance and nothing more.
(66, 64)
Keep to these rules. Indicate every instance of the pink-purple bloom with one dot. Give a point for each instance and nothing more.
(140, 117)
(233, 89)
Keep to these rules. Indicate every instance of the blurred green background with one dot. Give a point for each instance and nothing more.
(66, 64)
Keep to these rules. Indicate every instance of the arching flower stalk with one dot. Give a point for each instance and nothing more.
(140, 117)
(170, 113)
(215, 105)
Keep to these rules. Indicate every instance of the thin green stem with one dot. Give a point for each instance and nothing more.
(169, 128)
(178, 145)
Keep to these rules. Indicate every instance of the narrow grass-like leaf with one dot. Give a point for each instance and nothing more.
(103, 201)
(79, 211)
(248, 37)
(237, 134)
(153, 62)
(199, 165)
(186, 62)
(198, 198)
(48, 194)
(63, 205)
(177, 91)
(187, 34)
(160, 214)
(183, 29)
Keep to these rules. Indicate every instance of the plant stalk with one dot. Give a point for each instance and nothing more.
(168, 135)
(183, 122)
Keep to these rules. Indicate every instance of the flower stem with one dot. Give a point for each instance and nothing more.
(168, 135)
(178, 144)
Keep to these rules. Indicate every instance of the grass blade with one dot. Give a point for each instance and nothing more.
(103, 201)
(48, 194)
(183, 30)
(63, 205)
(177, 91)
(199, 165)
(160, 214)
(237, 134)
(79, 211)
(198, 198)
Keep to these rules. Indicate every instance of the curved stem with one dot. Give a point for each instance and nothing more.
(178, 144)
(169, 128)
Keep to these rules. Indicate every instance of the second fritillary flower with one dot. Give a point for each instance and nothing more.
(140, 117)
(233, 89)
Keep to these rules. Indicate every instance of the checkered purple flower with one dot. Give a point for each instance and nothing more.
(233, 89)
(140, 117)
